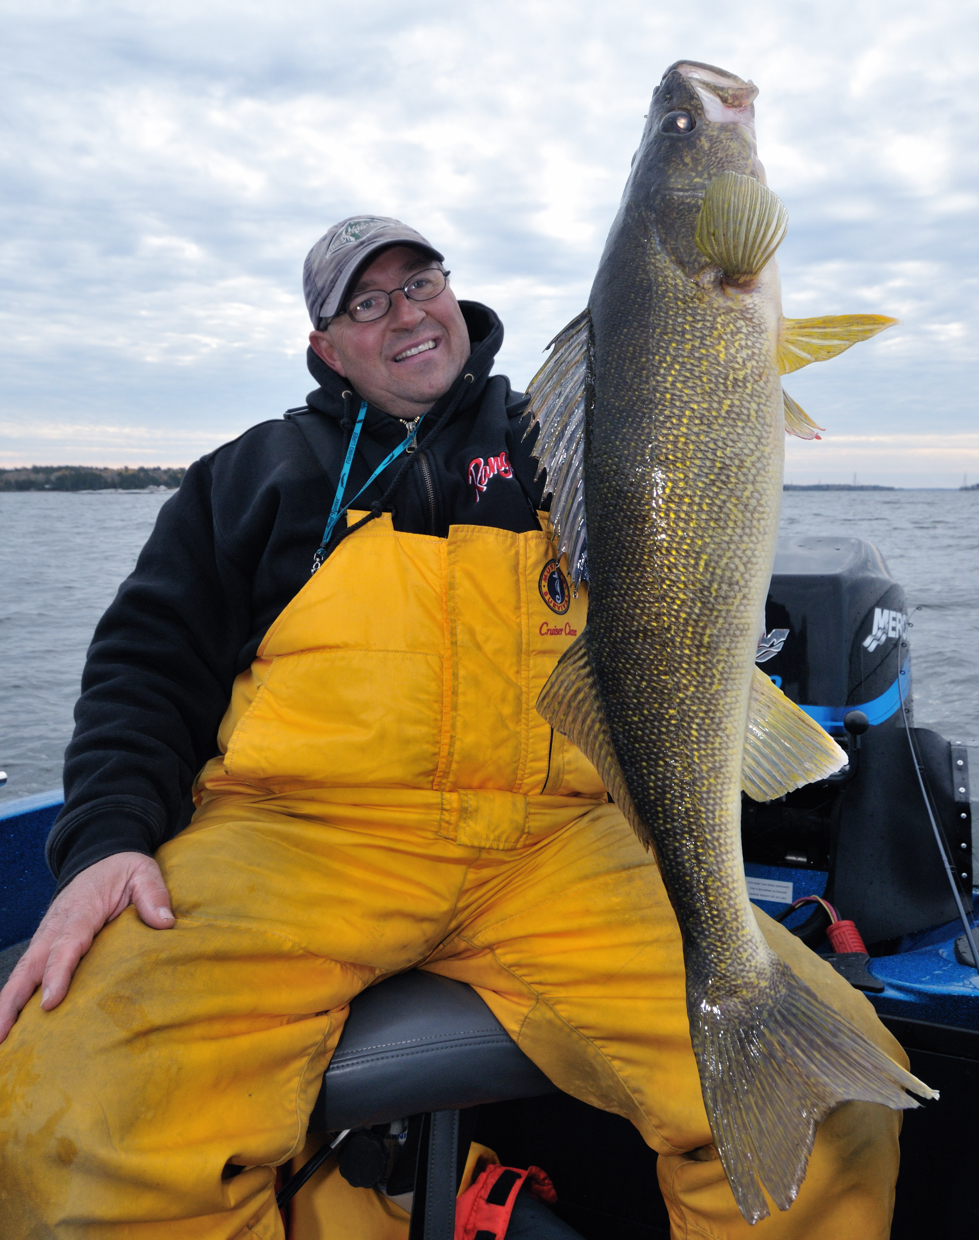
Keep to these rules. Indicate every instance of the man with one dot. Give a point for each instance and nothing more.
(375, 792)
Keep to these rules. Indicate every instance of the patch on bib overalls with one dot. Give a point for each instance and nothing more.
(554, 588)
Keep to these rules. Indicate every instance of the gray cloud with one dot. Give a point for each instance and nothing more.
(166, 167)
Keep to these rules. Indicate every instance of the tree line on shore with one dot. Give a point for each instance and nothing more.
(834, 486)
(97, 478)
(88, 478)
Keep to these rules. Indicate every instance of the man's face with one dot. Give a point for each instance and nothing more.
(373, 356)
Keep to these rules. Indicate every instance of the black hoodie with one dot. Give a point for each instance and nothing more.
(230, 550)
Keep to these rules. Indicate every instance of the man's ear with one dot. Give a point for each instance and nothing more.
(323, 347)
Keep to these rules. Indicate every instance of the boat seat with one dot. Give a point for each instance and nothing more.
(419, 1044)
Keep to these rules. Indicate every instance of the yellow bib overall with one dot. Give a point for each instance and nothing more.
(387, 798)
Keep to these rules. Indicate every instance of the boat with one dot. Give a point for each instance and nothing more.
(872, 868)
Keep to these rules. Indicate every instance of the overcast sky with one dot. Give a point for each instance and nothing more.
(166, 166)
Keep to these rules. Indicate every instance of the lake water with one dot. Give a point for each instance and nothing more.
(63, 555)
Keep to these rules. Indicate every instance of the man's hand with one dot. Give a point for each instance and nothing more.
(92, 898)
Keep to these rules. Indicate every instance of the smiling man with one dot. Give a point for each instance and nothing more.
(307, 757)
(401, 353)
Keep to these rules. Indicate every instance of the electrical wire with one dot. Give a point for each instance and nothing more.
(830, 910)
(949, 870)
(289, 1190)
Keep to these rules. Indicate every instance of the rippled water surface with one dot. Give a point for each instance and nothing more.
(930, 540)
(62, 557)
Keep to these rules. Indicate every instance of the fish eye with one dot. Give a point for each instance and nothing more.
(677, 122)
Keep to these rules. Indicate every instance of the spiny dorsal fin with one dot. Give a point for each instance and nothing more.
(570, 703)
(801, 341)
(558, 393)
(797, 421)
(783, 747)
(741, 224)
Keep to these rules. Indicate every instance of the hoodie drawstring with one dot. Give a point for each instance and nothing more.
(377, 507)
(338, 505)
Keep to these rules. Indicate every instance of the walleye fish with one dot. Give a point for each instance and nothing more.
(662, 421)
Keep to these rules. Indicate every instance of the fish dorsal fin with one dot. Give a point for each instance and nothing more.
(783, 747)
(741, 224)
(558, 396)
(797, 421)
(801, 341)
(569, 702)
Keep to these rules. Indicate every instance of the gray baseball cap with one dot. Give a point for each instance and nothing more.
(335, 258)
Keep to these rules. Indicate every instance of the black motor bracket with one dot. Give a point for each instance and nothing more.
(886, 873)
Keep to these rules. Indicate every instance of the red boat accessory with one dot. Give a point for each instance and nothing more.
(843, 935)
(483, 1210)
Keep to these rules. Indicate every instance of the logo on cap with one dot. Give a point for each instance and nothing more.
(356, 230)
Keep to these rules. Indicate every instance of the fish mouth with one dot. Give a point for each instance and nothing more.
(726, 98)
(414, 350)
(717, 132)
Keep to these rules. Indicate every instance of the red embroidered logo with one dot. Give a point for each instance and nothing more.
(481, 471)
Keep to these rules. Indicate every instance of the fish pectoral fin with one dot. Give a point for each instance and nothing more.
(801, 341)
(797, 421)
(570, 703)
(783, 747)
(741, 224)
(558, 397)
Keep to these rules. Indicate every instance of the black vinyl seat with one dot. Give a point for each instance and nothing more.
(419, 1044)
(416, 1043)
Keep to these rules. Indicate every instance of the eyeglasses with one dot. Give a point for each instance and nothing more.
(366, 307)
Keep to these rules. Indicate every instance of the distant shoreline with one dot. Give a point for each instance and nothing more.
(88, 478)
(857, 486)
(836, 486)
(144, 479)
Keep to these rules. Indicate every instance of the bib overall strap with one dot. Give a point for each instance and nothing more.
(339, 507)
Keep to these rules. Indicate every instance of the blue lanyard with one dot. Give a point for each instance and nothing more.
(339, 506)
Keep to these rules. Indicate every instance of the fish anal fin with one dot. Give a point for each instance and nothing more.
(741, 224)
(797, 421)
(558, 400)
(570, 703)
(801, 341)
(783, 747)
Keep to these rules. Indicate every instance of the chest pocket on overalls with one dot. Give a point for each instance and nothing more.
(412, 661)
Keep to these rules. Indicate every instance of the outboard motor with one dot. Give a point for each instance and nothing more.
(836, 642)
(835, 623)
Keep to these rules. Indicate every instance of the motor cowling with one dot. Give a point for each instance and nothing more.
(835, 631)
(835, 641)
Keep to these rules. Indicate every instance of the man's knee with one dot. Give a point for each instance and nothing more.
(848, 1189)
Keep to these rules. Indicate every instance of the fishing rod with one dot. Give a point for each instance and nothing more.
(936, 831)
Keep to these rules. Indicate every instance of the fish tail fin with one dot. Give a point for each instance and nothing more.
(741, 224)
(784, 748)
(772, 1072)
